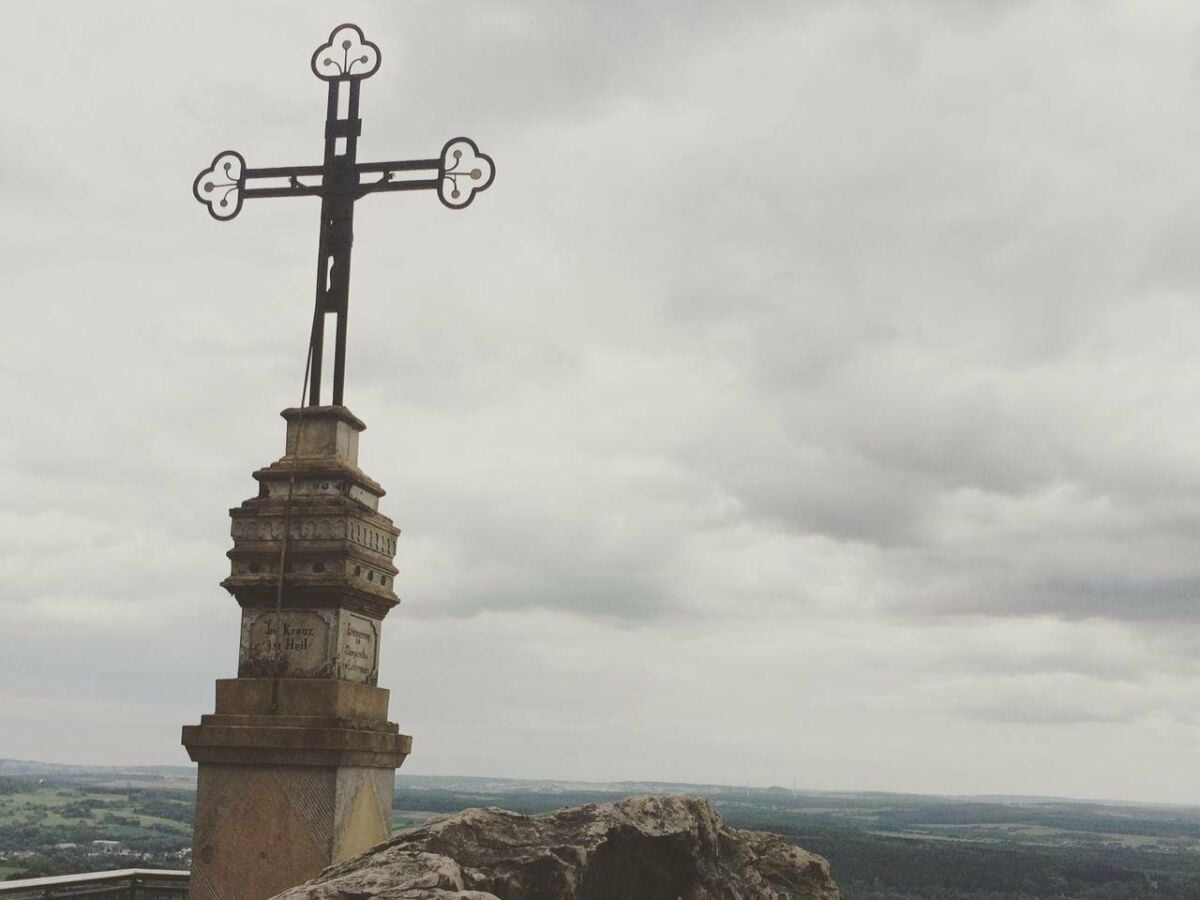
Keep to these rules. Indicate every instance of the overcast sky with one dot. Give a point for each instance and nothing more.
(812, 400)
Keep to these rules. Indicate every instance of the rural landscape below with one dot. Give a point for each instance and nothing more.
(58, 819)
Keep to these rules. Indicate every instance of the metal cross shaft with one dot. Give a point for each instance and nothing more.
(459, 173)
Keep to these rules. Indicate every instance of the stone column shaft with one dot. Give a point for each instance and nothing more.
(297, 762)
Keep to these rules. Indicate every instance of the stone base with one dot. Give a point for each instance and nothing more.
(295, 774)
(263, 829)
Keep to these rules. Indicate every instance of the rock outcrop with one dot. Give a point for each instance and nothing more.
(643, 848)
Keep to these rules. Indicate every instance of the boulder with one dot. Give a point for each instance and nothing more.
(643, 848)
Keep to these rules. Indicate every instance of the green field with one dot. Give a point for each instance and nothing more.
(152, 824)
(124, 814)
(406, 819)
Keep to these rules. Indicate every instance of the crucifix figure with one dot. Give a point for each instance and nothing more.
(458, 174)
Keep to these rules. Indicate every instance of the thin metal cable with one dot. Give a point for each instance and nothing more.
(287, 524)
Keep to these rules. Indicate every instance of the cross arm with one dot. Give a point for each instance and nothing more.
(294, 187)
(388, 172)
(458, 174)
(228, 181)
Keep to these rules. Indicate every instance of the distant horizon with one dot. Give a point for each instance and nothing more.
(732, 786)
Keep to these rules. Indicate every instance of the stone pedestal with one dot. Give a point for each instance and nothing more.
(297, 762)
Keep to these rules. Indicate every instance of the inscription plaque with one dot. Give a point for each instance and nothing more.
(358, 652)
(292, 643)
(321, 643)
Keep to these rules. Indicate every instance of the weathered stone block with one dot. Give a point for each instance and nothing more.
(301, 697)
(323, 433)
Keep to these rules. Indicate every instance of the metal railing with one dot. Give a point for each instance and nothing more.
(123, 884)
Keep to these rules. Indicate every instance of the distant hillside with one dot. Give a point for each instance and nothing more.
(480, 784)
(27, 768)
(475, 784)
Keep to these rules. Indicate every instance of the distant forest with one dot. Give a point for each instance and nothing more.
(1080, 855)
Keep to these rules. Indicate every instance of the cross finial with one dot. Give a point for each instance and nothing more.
(458, 173)
(347, 54)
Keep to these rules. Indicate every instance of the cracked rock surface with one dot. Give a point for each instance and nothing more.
(643, 848)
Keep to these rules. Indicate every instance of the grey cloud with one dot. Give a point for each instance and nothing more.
(1050, 713)
(1061, 700)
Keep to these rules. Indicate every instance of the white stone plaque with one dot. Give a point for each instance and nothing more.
(291, 643)
(358, 649)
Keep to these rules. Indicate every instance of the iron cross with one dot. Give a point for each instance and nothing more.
(457, 174)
